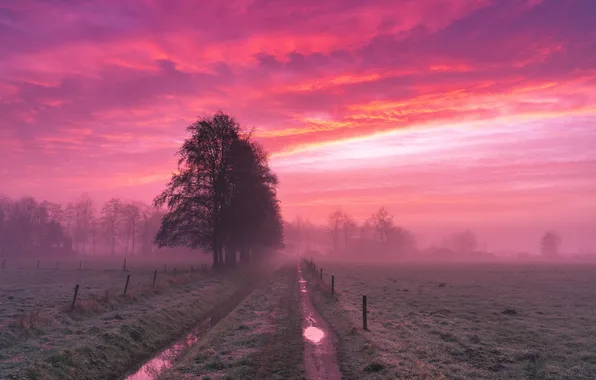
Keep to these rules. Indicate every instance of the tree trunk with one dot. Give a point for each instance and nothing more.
(215, 257)
(113, 242)
(220, 257)
(233, 257)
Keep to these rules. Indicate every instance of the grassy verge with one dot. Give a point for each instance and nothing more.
(260, 339)
(467, 321)
(105, 343)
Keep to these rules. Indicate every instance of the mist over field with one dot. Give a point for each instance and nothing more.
(253, 189)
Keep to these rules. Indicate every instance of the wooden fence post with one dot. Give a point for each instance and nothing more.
(321, 273)
(56, 264)
(191, 269)
(332, 284)
(74, 299)
(126, 286)
(37, 264)
(124, 265)
(364, 314)
(154, 277)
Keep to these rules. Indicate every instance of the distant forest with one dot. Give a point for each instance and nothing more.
(222, 198)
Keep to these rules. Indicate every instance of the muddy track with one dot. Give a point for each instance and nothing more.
(281, 357)
(320, 349)
(152, 368)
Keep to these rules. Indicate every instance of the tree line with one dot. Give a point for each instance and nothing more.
(223, 198)
(29, 226)
(379, 235)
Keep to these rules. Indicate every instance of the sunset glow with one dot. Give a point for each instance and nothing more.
(450, 113)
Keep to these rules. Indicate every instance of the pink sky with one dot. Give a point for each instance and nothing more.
(449, 113)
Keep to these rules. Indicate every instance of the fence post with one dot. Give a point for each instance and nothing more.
(37, 264)
(154, 277)
(74, 299)
(364, 314)
(175, 271)
(321, 273)
(164, 268)
(56, 264)
(191, 268)
(126, 286)
(332, 284)
(80, 265)
(124, 266)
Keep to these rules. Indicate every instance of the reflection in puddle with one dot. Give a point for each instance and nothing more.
(314, 334)
(165, 359)
(319, 352)
(302, 282)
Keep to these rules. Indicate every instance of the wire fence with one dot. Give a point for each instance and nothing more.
(90, 283)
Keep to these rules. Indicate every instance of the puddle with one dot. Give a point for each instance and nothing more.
(319, 351)
(314, 334)
(166, 358)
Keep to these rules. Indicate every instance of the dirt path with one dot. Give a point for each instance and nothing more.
(320, 356)
(260, 339)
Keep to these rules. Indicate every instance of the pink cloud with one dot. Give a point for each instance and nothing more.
(431, 106)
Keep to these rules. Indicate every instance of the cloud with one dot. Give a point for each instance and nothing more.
(100, 92)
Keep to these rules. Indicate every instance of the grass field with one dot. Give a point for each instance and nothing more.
(107, 333)
(464, 321)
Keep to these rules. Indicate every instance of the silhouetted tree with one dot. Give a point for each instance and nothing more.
(463, 242)
(549, 244)
(94, 225)
(252, 202)
(401, 240)
(348, 227)
(151, 218)
(68, 216)
(382, 223)
(198, 197)
(4, 205)
(366, 229)
(335, 223)
(83, 215)
(27, 226)
(131, 213)
(110, 214)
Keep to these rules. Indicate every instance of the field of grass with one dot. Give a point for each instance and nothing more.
(464, 321)
(107, 333)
